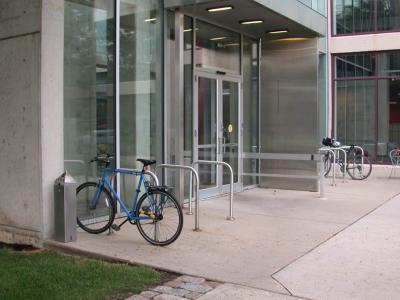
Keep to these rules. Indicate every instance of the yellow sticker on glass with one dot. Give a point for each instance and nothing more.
(230, 128)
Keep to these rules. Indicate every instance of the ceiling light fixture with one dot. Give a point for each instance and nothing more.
(218, 9)
(293, 39)
(218, 38)
(249, 22)
(277, 31)
(150, 20)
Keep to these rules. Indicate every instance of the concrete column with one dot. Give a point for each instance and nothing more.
(52, 82)
(31, 118)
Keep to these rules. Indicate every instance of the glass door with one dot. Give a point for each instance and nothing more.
(216, 131)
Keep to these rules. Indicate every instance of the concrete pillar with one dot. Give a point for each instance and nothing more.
(31, 118)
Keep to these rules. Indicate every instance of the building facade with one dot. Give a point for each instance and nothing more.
(239, 81)
(365, 61)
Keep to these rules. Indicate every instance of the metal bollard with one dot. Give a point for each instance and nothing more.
(65, 208)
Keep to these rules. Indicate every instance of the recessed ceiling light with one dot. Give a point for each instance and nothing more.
(232, 45)
(218, 38)
(221, 8)
(277, 31)
(150, 20)
(248, 22)
(293, 39)
(189, 30)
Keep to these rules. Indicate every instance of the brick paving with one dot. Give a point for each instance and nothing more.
(181, 288)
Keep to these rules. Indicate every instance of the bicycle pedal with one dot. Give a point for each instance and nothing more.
(115, 227)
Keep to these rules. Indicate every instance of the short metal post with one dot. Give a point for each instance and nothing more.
(321, 178)
(334, 168)
(190, 193)
(345, 160)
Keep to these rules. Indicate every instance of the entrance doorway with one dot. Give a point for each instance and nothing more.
(216, 133)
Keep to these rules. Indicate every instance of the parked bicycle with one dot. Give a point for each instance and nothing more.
(157, 214)
(358, 165)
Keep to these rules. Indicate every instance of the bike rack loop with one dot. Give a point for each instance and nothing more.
(154, 176)
(342, 149)
(221, 163)
(334, 165)
(196, 175)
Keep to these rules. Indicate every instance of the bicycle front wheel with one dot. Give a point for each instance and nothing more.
(160, 218)
(328, 160)
(359, 167)
(95, 209)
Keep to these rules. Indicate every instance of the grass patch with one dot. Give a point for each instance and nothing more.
(48, 275)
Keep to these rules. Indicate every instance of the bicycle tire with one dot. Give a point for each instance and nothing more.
(328, 159)
(98, 219)
(168, 215)
(356, 170)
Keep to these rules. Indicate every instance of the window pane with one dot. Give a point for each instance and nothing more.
(388, 14)
(353, 16)
(355, 65)
(355, 113)
(88, 84)
(389, 63)
(141, 86)
(389, 117)
(217, 48)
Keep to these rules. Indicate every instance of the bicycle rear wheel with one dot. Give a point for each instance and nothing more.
(162, 218)
(359, 167)
(94, 215)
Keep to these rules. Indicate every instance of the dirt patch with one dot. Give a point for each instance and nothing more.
(19, 247)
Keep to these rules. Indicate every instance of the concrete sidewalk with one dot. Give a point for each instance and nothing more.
(268, 245)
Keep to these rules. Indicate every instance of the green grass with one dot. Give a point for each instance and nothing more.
(48, 275)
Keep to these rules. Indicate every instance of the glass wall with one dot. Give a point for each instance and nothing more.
(352, 17)
(367, 99)
(250, 108)
(141, 87)
(217, 48)
(317, 5)
(89, 85)
(89, 106)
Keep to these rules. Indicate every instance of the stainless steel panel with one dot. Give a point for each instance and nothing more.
(289, 110)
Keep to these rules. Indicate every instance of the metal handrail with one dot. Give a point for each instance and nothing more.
(221, 163)
(196, 175)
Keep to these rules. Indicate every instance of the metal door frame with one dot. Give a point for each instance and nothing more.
(220, 78)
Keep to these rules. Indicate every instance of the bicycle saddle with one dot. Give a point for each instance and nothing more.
(146, 162)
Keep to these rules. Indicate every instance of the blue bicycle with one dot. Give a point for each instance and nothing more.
(157, 214)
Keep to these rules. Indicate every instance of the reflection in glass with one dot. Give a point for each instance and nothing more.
(88, 84)
(230, 129)
(389, 117)
(250, 108)
(217, 48)
(355, 65)
(389, 63)
(140, 86)
(353, 16)
(388, 15)
(355, 121)
(207, 127)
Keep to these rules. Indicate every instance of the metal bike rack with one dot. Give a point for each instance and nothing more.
(220, 163)
(196, 175)
(329, 149)
(342, 149)
(154, 176)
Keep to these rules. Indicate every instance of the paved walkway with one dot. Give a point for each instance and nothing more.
(283, 243)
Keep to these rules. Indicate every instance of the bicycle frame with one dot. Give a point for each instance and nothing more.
(131, 214)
